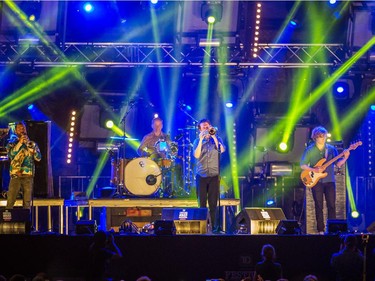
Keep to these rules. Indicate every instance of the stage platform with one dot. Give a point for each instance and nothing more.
(50, 217)
(174, 258)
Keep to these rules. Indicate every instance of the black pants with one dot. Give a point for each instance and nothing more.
(208, 188)
(329, 190)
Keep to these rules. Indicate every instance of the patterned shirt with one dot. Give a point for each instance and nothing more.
(22, 158)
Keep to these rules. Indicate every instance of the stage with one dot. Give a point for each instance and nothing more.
(169, 258)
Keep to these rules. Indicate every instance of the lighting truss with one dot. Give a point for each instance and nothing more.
(170, 55)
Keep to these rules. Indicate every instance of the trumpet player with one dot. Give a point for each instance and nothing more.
(22, 153)
(207, 149)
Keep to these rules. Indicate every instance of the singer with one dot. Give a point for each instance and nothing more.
(207, 149)
(21, 152)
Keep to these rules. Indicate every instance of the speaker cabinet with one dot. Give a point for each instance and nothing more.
(86, 227)
(259, 220)
(15, 221)
(40, 132)
(337, 226)
(288, 227)
(187, 220)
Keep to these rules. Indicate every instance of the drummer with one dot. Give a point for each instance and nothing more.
(148, 147)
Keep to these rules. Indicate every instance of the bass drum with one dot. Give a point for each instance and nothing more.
(142, 177)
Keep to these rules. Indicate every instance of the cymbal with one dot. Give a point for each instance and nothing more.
(122, 138)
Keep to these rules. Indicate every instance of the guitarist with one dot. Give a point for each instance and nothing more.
(313, 153)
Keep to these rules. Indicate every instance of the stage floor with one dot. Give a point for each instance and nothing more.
(174, 258)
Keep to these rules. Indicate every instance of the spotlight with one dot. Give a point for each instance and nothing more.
(30, 107)
(229, 104)
(270, 202)
(332, 2)
(109, 124)
(372, 107)
(343, 89)
(283, 146)
(88, 7)
(211, 12)
(154, 1)
(156, 115)
(355, 214)
(293, 23)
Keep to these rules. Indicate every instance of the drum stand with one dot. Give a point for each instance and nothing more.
(120, 192)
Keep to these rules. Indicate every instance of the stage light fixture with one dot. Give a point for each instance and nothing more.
(88, 7)
(355, 214)
(372, 107)
(332, 2)
(73, 123)
(229, 104)
(211, 12)
(154, 1)
(156, 115)
(109, 124)
(270, 202)
(30, 107)
(341, 90)
(32, 9)
(283, 146)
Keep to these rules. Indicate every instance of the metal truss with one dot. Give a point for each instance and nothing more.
(170, 55)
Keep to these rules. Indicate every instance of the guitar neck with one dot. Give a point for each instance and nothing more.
(333, 160)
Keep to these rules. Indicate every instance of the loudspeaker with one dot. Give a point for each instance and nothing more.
(164, 227)
(286, 227)
(40, 132)
(337, 226)
(187, 220)
(15, 221)
(259, 220)
(86, 227)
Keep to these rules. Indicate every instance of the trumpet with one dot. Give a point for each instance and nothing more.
(212, 131)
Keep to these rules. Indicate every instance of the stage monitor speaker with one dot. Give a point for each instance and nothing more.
(86, 227)
(337, 226)
(288, 227)
(164, 227)
(259, 220)
(15, 221)
(187, 220)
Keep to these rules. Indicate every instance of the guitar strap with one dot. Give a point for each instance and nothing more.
(326, 154)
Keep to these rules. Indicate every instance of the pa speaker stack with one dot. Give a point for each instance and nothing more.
(259, 220)
(187, 220)
(15, 221)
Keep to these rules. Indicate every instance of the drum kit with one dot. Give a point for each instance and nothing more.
(145, 176)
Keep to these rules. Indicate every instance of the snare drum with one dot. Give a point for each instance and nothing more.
(142, 177)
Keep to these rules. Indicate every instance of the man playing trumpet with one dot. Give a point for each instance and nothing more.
(207, 149)
(21, 152)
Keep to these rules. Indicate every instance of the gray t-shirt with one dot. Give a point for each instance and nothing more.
(208, 163)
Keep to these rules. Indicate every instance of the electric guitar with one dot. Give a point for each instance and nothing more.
(310, 178)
